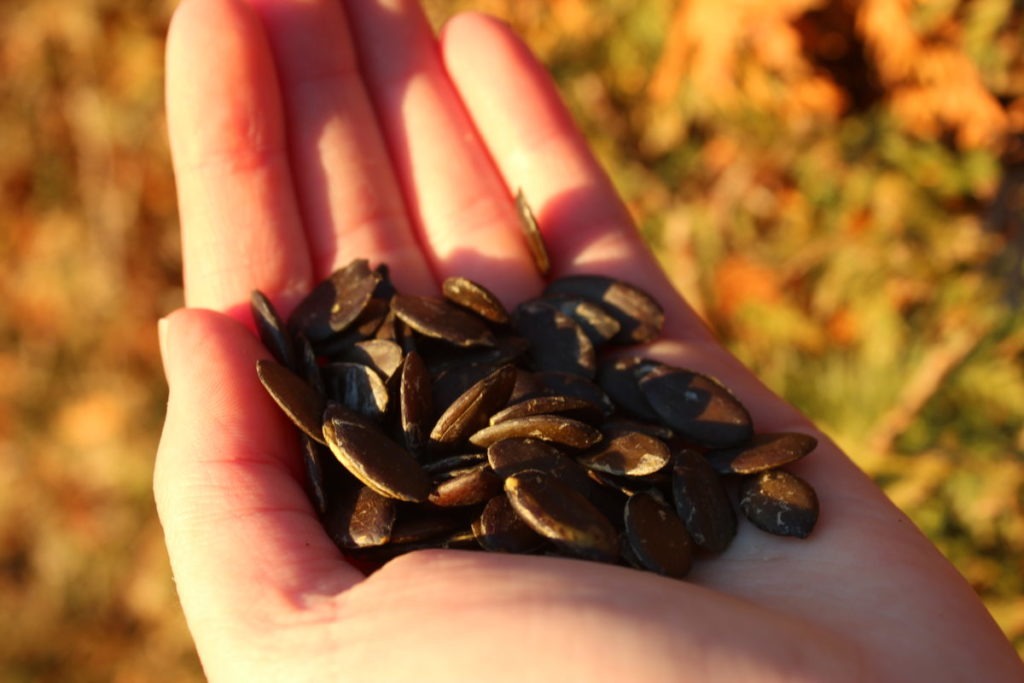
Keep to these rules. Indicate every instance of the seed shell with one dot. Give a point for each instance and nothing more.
(599, 325)
(336, 302)
(532, 234)
(618, 378)
(562, 515)
(557, 342)
(439, 319)
(376, 460)
(554, 428)
(299, 401)
(470, 486)
(779, 502)
(763, 452)
(511, 456)
(416, 408)
(474, 297)
(696, 406)
(640, 316)
(658, 538)
(271, 328)
(501, 529)
(628, 453)
(358, 388)
(361, 519)
(702, 502)
(576, 408)
(385, 357)
(470, 411)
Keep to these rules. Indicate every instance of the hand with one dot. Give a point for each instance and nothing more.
(292, 159)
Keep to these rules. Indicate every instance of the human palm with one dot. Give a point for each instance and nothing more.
(306, 133)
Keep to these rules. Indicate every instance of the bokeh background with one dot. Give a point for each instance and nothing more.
(837, 186)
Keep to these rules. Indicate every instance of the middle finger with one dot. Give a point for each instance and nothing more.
(458, 202)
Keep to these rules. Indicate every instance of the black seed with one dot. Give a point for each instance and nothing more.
(501, 529)
(470, 411)
(441, 356)
(658, 538)
(336, 302)
(358, 388)
(376, 460)
(439, 319)
(562, 515)
(470, 486)
(628, 453)
(426, 525)
(624, 424)
(454, 462)
(763, 452)
(561, 430)
(363, 327)
(618, 378)
(385, 357)
(416, 410)
(511, 456)
(702, 502)
(271, 329)
(316, 483)
(779, 502)
(697, 407)
(307, 367)
(454, 382)
(361, 518)
(475, 297)
(599, 325)
(640, 316)
(557, 342)
(532, 234)
(565, 384)
(576, 408)
(299, 401)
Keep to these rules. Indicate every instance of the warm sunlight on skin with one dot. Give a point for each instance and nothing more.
(306, 133)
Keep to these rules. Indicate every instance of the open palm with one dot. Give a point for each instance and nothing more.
(307, 133)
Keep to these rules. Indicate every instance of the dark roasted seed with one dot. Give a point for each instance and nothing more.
(628, 453)
(313, 463)
(271, 329)
(474, 297)
(593, 319)
(471, 411)
(431, 523)
(562, 515)
(299, 401)
(696, 406)
(554, 428)
(639, 315)
(439, 319)
(358, 388)
(385, 357)
(557, 342)
(624, 424)
(336, 302)
(702, 502)
(565, 384)
(511, 456)
(415, 406)
(454, 462)
(779, 502)
(469, 486)
(618, 378)
(763, 452)
(576, 408)
(376, 460)
(658, 538)
(309, 369)
(501, 529)
(532, 234)
(361, 518)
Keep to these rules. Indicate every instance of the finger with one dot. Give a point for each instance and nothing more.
(244, 542)
(461, 208)
(538, 148)
(240, 225)
(349, 196)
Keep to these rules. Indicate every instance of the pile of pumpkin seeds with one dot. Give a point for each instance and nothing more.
(446, 422)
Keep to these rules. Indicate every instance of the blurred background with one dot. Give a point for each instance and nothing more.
(837, 187)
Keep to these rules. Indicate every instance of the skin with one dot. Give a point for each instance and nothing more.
(309, 132)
